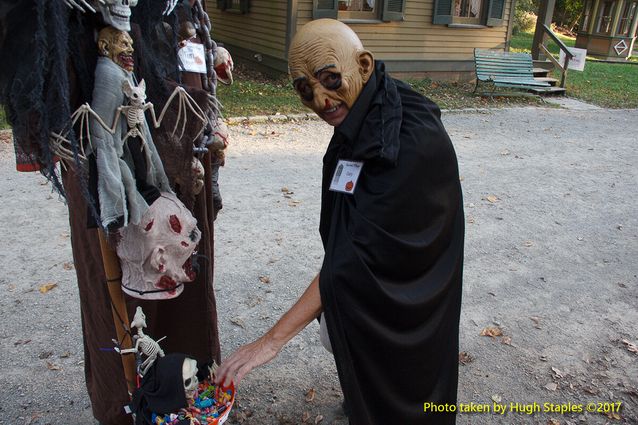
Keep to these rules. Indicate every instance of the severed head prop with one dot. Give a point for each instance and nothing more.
(329, 68)
(156, 254)
(223, 65)
(117, 13)
(116, 45)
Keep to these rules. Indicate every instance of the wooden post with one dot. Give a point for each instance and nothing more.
(616, 19)
(545, 15)
(113, 274)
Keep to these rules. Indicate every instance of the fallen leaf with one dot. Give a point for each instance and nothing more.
(496, 398)
(21, 342)
(52, 366)
(543, 358)
(293, 203)
(558, 373)
(238, 321)
(536, 321)
(470, 219)
(552, 386)
(47, 287)
(305, 417)
(630, 346)
(492, 331)
(506, 340)
(67, 266)
(264, 279)
(613, 415)
(65, 355)
(11, 287)
(465, 358)
(553, 422)
(45, 355)
(310, 395)
(492, 198)
(318, 419)
(505, 152)
(287, 191)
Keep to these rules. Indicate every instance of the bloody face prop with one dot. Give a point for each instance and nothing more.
(156, 254)
(329, 68)
(117, 46)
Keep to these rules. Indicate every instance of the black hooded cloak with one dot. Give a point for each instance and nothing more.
(391, 278)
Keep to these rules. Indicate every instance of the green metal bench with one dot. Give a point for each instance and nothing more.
(505, 69)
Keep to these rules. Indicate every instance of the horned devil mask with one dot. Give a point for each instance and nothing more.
(156, 254)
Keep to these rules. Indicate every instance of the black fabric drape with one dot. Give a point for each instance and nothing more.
(391, 278)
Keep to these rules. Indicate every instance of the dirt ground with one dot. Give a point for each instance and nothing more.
(551, 247)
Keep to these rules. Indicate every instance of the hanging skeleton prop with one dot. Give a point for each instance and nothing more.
(49, 56)
(114, 128)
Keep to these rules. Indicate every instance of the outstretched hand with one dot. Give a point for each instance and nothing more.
(245, 359)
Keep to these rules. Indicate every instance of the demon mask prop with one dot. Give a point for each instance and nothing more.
(116, 45)
(156, 254)
(329, 68)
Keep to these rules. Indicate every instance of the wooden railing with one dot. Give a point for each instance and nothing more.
(563, 47)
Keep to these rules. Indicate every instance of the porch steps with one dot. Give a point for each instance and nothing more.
(542, 70)
(548, 90)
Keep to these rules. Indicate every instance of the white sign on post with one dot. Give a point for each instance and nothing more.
(577, 63)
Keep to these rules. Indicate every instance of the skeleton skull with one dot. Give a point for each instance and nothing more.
(117, 13)
(189, 373)
(116, 45)
(156, 254)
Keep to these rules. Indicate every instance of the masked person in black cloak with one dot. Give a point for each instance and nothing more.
(392, 228)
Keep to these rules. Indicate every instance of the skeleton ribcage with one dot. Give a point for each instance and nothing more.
(134, 116)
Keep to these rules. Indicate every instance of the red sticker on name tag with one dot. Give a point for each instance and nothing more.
(346, 175)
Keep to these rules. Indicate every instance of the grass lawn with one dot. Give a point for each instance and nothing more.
(255, 94)
(612, 85)
(3, 120)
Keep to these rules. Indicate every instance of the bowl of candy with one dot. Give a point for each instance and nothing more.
(210, 405)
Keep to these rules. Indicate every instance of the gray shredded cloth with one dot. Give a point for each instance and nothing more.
(117, 191)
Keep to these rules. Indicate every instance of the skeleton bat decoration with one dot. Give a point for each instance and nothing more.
(134, 114)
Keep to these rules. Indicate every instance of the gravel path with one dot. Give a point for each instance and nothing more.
(551, 243)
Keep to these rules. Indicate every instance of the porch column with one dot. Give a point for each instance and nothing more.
(617, 14)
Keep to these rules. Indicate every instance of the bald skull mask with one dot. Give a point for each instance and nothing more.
(156, 254)
(329, 68)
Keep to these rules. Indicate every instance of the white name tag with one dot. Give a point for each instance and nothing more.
(192, 57)
(346, 176)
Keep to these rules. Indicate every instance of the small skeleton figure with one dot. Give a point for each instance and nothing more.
(144, 344)
(189, 377)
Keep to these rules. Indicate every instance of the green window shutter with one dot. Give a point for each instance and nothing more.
(324, 9)
(495, 12)
(442, 12)
(244, 5)
(393, 10)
